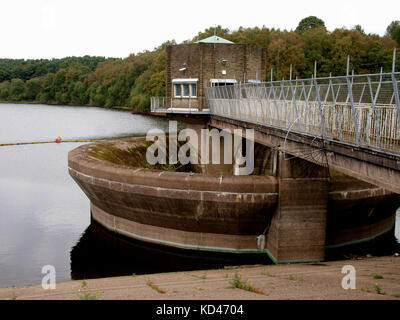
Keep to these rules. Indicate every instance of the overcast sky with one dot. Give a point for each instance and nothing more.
(60, 28)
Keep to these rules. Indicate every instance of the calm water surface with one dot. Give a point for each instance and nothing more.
(43, 213)
(45, 217)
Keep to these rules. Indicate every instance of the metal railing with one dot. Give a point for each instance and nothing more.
(190, 105)
(363, 110)
(157, 103)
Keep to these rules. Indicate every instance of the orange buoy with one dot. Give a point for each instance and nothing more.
(58, 139)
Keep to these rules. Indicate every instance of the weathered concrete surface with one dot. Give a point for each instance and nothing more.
(379, 169)
(298, 227)
(298, 281)
(203, 209)
(209, 212)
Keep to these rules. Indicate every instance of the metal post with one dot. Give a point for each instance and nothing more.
(315, 69)
(261, 101)
(334, 106)
(319, 102)
(350, 96)
(373, 102)
(395, 88)
(276, 105)
(294, 99)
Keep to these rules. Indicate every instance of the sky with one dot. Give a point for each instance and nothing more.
(58, 28)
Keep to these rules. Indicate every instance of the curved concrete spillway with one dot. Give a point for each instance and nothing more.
(208, 212)
(183, 209)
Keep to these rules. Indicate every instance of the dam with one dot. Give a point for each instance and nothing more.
(195, 209)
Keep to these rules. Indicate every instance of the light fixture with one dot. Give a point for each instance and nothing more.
(182, 69)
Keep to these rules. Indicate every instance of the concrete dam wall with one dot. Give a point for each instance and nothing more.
(197, 209)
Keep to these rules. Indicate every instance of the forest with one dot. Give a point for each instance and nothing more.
(131, 81)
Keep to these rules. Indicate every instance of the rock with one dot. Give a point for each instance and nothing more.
(397, 255)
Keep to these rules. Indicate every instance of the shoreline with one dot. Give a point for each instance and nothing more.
(119, 108)
(377, 278)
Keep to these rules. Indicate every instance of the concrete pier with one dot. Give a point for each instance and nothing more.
(298, 228)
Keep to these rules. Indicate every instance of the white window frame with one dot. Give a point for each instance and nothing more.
(254, 81)
(181, 83)
(227, 81)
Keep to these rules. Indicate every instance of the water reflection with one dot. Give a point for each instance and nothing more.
(101, 253)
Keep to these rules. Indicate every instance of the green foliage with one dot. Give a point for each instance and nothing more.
(32, 89)
(28, 69)
(85, 294)
(378, 289)
(396, 34)
(16, 89)
(310, 22)
(393, 25)
(155, 287)
(238, 282)
(4, 90)
(378, 276)
(359, 29)
(130, 82)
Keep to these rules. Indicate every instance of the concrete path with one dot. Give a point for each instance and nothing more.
(376, 278)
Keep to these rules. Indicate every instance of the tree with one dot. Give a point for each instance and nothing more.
(396, 34)
(32, 89)
(359, 29)
(310, 22)
(4, 90)
(393, 25)
(17, 87)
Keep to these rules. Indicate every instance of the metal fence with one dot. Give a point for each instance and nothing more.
(157, 103)
(363, 110)
(189, 105)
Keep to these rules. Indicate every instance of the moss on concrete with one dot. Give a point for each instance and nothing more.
(134, 157)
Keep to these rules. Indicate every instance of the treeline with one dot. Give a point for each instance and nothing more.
(28, 69)
(302, 47)
(130, 82)
(94, 81)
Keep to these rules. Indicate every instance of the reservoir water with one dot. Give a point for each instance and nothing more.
(44, 215)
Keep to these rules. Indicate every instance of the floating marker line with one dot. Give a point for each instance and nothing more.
(42, 142)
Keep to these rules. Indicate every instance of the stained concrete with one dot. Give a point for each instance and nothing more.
(304, 281)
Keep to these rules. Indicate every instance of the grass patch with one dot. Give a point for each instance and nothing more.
(133, 275)
(291, 277)
(365, 289)
(86, 294)
(238, 282)
(378, 276)
(266, 273)
(135, 157)
(204, 276)
(154, 287)
(378, 289)
(396, 295)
